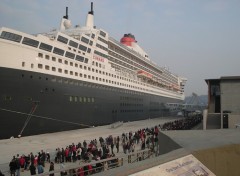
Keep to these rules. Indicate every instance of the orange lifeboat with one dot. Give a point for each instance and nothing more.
(145, 74)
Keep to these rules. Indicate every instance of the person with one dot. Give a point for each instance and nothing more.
(51, 169)
(22, 162)
(40, 168)
(13, 166)
(32, 169)
(62, 166)
(1, 174)
(17, 165)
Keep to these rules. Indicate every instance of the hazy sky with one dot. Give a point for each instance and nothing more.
(196, 39)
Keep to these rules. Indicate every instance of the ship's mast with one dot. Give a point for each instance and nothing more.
(90, 18)
(65, 22)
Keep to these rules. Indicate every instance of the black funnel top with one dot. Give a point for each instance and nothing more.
(91, 12)
(66, 16)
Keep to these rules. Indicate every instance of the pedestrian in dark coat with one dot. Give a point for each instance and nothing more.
(51, 168)
(32, 169)
(13, 166)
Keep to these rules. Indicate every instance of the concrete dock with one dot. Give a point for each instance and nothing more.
(216, 149)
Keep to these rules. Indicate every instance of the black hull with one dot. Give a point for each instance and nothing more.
(58, 105)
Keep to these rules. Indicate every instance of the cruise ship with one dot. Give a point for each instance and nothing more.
(78, 77)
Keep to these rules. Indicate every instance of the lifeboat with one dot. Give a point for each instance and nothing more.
(144, 74)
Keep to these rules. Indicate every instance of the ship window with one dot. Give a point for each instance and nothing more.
(46, 67)
(62, 39)
(73, 44)
(40, 66)
(11, 36)
(23, 64)
(79, 58)
(82, 47)
(40, 55)
(80, 99)
(54, 59)
(102, 33)
(66, 62)
(85, 60)
(102, 40)
(45, 47)
(75, 99)
(60, 70)
(85, 40)
(53, 68)
(30, 42)
(58, 51)
(89, 100)
(89, 50)
(70, 55)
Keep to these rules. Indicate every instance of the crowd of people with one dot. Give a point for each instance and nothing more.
(182, 124)
(96, 150)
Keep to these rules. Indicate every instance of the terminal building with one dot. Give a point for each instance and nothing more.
(223, 102)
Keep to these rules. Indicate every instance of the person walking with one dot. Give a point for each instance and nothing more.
(51, 169)
(32, 169)
(13, 166)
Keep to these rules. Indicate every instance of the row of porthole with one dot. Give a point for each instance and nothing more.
(130, 104)
(131, 110)
(81, 99)
(40, 66)
(66, 62)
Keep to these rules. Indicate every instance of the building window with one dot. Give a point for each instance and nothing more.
(32, 66)
(23, 64)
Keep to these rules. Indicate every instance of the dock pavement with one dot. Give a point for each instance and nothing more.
(49, 142)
